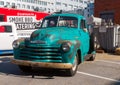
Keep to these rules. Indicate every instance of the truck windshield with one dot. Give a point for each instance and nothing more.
(62, 21)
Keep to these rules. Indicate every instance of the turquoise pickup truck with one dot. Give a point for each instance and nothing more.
(62, 42)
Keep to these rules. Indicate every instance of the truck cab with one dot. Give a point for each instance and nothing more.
(62, 42)
(7, 36)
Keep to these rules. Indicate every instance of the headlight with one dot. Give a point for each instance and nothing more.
(16, 44)
(66, 46)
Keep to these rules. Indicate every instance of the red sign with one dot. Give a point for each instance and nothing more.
(23, 19)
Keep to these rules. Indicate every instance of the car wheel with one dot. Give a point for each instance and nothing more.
(25, 68)
(72, 71)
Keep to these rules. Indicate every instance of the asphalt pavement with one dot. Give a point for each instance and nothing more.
(105, 70)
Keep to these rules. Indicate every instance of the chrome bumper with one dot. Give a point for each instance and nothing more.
(42, 64)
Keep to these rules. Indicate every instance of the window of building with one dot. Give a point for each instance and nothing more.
(23, 0)
(45, 9)
(76, 0)
(88, 15)
(13, 4)
(32, 1)
(71, 6)
(52, 9)
(85, 2)
(45, 3)
(23, 6)
(32, 7)
(75, 7)
(81, 1)
(49, 3)
(58, 3)
(64, 4)
(28, 6)
(36, 8)
(1, 2)
(88, 10)
(39, 2)
(35, 1)
(18, 0)
(49, 9)
(18, 5)
(107, 16)
(42, 3)
(28, 1)
(7, 3)
(52, 3)
(40, 8)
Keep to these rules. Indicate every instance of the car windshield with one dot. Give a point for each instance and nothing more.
(62, 21)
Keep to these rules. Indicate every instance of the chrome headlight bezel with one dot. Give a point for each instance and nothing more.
(15, 44)
(66, 46)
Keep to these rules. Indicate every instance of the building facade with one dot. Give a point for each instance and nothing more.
(45, 5)
(49, 6)
(108, 9)
(89, 10)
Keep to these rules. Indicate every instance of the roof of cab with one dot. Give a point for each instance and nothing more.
(67, 14)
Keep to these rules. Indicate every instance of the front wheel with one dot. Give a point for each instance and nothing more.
(72, 71)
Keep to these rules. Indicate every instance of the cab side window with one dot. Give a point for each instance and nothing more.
(83, 25)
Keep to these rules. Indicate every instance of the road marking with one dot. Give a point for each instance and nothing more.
(4, 61)
(96, 76)
(108, 61)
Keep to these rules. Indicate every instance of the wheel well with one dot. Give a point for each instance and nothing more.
(79, 56)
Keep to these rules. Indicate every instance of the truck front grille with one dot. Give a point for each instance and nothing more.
(41, 53)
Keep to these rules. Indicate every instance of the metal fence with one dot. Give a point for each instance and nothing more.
(108, 37)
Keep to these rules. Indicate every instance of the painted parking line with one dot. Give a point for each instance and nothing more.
(100, 77)
(109, 62)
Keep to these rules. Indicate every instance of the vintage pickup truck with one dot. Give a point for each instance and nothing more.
(62, 42)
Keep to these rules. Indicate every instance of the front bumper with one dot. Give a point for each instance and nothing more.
(42, 64)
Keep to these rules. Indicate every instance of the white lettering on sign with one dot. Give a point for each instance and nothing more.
(25, 26)
(23, 22)
(21, 19)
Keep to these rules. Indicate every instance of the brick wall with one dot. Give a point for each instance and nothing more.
(102, 6)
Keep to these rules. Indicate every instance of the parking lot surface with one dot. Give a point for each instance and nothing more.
(105, 70)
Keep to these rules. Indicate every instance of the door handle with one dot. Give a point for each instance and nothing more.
(11, 35)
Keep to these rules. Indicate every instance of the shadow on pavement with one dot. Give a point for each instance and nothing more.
(7, 68)
(6, 55)
(115, 83)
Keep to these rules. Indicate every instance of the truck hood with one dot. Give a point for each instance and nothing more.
(51, 35)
